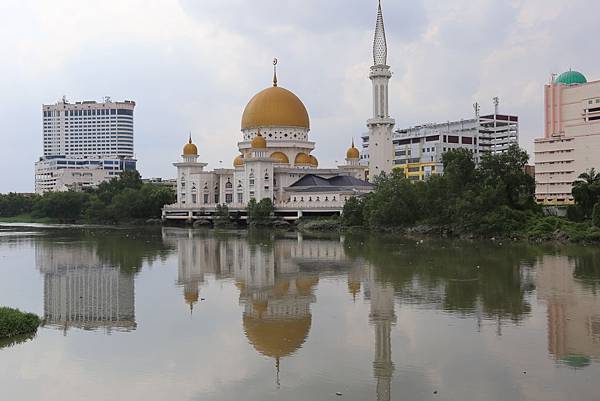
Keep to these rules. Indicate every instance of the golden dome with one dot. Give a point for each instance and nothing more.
(190, 149)
(281, 157)
(313, 161)
(276, 338)
(275, 107)
(238, 161)
(353, 153)
(305, 284)
(302, 158)
(259, 142)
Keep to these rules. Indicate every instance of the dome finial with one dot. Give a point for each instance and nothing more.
(275, 72)
(190, 140)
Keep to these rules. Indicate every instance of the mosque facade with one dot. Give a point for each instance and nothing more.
(276, 160)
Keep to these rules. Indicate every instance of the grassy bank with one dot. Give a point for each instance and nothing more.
(13, 322)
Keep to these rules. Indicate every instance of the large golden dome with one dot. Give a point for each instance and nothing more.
(275, 107)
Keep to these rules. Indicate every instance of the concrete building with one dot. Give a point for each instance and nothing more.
(92, 141)
(571, 141)
(418, 150)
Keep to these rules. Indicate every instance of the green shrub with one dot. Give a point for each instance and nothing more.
(575, 213)
(596, 215)
(14, 322)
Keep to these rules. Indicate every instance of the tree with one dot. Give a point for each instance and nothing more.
(586, 190)
(259, 213)
(64, 206)
(596, 215)
(459, 168)
(353, 212)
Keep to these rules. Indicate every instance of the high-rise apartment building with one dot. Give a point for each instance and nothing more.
(84, 143)
(418, 151)
(571, 142)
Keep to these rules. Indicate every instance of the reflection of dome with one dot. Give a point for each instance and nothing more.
(305, 284)
(313, 161)
(260, 307)
(238, 161)
(354, 288)
(280, 157)
(571, 78)
(191, 297)
(190, 149)
(576, 361)
(302, 158)
(281, 288)
(275, 107)
(276, 338)
(259, 142)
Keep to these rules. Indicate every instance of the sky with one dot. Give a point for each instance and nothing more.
(192, 65)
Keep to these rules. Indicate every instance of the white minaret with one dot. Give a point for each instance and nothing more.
(381, 150)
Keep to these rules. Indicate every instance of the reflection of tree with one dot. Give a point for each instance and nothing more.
(123, 248)
(14, 340)
(587, 267)
(462, 278)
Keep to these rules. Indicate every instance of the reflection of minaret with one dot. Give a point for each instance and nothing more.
(80, 291)
(382, 317)
(189, 270)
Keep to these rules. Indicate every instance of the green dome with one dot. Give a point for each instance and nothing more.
(571, 78)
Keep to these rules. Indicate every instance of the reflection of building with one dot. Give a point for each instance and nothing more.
(573, 312)
(80, 291)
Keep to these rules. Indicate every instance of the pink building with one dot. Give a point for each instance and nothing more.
(571, 142)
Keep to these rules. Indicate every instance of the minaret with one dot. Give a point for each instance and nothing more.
(381, 150)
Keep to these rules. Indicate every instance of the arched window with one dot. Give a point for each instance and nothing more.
(228, 184)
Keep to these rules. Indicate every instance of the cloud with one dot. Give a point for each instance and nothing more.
(193, 65)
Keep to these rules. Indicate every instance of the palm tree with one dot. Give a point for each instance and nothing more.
(586, 190)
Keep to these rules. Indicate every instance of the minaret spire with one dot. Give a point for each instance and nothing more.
(274, 72)
(379, 42)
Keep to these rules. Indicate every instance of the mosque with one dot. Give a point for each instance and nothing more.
(275, 159)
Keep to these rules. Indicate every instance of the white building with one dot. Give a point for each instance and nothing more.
(418, 150)
(275, 159)
(96, 139)
(571, 142)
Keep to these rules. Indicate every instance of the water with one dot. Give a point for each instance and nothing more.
(175, 314)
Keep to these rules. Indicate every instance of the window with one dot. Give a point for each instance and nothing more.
(228, 184)
(216, 198)
(194, 198)
(240, 198)
(205, 198)
(228, 198)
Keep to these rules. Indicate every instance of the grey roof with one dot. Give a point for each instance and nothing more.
(339, 183)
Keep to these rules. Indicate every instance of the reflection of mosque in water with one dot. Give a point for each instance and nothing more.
(573, 312)
(277, 281)
(81, 291)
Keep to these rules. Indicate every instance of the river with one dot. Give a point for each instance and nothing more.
(178, 314)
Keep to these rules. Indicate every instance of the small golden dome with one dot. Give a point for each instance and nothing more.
(276, 338)
(259, 142)
(280, 157)
(275, 107)
(313, 161)
(190, 149)
(238, 161)
(302, 158)
(353, 153)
